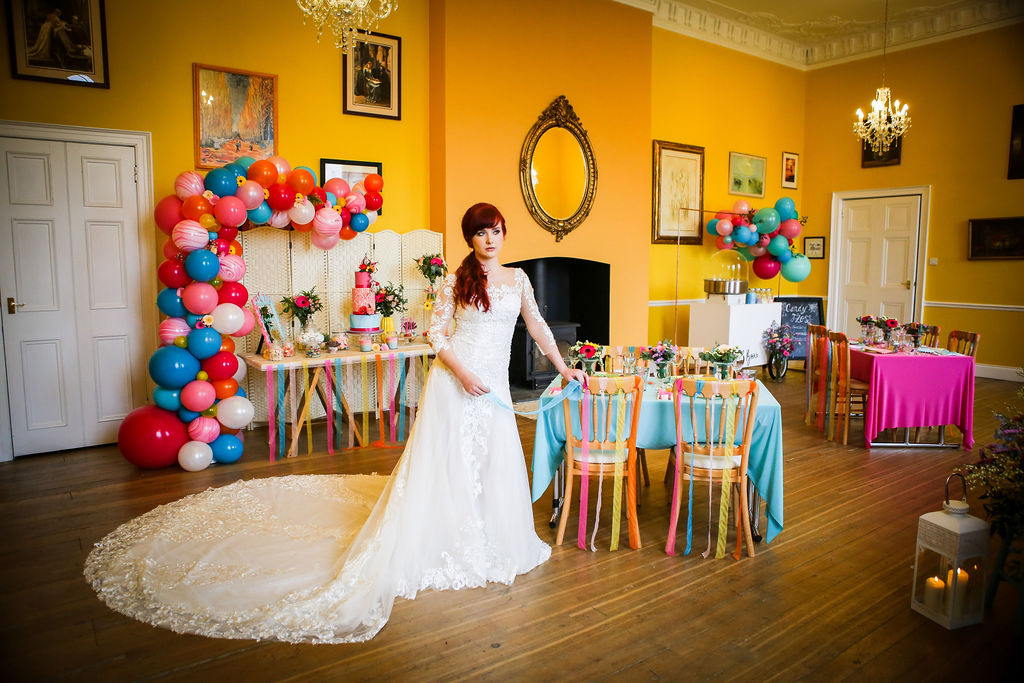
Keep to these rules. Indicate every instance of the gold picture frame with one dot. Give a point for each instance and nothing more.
(677, 206)
(234, 114)
(371, 76)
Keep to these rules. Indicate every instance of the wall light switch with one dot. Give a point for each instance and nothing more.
(933, 261)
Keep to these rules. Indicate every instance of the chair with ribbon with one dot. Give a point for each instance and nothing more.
(713, 444)
(844, 390)
(963, 342)
(600, 429)
(817, 367)
(689, 361)
(930, 336)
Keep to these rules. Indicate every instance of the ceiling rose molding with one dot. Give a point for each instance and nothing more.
(832, 39)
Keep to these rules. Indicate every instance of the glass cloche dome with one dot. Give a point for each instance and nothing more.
(726, 273)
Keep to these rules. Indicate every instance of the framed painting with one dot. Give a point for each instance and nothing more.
(746, 174)
(991, 239)
(266, 315)
(678, 194)
(59, 41)
(351, 172)
(814, 247)
(1016, 168)
(372, 76)
(890, 157)
(234, 114)
(790, 170)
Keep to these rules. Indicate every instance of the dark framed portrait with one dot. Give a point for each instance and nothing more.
(372, 76)
(59, 41)
(234, 114)
(890, 157)
(995, 239)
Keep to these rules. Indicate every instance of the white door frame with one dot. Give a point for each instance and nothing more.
(143, 144)
(836, 256)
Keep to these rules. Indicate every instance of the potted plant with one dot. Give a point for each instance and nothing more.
(778, 341)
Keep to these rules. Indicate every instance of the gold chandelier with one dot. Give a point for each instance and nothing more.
(887, 120)
(345, 17)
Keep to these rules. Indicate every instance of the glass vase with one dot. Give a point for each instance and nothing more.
(722, 370)
(778, 364)
(663, 369)
(589, 365)
(867, 333)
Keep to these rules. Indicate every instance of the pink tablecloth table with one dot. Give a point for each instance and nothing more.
(916, 390)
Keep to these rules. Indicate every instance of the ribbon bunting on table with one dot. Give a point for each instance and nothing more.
(271, 395)
(309, 413)
(330, 406)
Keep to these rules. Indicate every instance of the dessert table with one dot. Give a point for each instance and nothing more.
(657, 430)
(927, 388)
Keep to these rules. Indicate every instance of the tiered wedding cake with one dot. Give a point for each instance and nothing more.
(364, 316)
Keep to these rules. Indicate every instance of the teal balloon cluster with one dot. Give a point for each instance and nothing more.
(764, 237)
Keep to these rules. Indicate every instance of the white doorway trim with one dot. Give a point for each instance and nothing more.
(142, 142)
(835, 252)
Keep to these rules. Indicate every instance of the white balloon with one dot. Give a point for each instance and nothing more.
(279, 219)
(240, 372)
(195, 456)
(228, 318)
(302, 213)
(235, 412)
(371, 216)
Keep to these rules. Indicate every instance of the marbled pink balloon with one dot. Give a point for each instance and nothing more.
(324, 242)
(327, 222)
(279, 219)
(204, 429)
(188, 236)
(171, 329)
(188, 184)
(355, 202)
(232, 268)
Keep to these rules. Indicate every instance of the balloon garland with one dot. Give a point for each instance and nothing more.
(765, 237)
(199, 406)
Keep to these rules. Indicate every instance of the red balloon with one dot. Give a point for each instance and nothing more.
(346, 215)
(230, 211)
(373, 201)
(347, 233)
(766, 266)
(168, 213)
(221, 365)
(319, 193)
(281, 197)
(373, 183)
(150, 437)
(171, 252)
(233, 293)
(222, 245)
(722, 244)
(172, 273)
(227, 232)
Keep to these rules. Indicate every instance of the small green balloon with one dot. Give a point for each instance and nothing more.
(181, 342)
(210, 412)
(216, 282)
(202, 376)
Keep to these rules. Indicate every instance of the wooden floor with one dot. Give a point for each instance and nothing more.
(827, 600)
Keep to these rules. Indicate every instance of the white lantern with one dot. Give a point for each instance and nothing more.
(949, 571)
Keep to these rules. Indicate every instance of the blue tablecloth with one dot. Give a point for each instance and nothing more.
(657, 430)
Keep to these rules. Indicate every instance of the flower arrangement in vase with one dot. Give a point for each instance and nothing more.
(587, 354)
(432, 267)
(301, 308)
(868, 323)
(723, 356)
(390, 299)
(888, 327)
(663, 355)
(914, 330)
(778, 341)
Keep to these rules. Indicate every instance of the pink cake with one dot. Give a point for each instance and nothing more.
(364, 316)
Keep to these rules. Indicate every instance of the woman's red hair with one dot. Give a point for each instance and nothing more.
(470, 279)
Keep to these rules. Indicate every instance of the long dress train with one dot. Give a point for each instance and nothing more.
(321, 558)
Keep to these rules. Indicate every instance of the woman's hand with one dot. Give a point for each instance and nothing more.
(473, 385)
(576, 374)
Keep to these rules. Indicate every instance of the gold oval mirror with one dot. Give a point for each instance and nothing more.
(557, 170)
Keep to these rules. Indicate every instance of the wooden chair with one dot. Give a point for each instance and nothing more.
(689, 362)
(817, 369)
(843, 389)
(603, 455)
(931, 335)
(963, 342)
(615, 363)
(714, 454)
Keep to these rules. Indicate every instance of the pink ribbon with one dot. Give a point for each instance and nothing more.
(581, 535)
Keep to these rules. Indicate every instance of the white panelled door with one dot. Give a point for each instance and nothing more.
(69, 278)
(878, 252)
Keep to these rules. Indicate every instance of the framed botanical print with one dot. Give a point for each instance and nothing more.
(814, 247)
(372, 76)
(59, 41)
(746, 174)
(678, 194)
(234, 114)
(790, 170)
(351, 172)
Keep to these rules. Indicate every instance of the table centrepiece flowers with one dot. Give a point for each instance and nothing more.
(390, 299)
(723, 356)
(867, 328)
(662, 354)
(778, 341)
(587, 354)
(432, 267)
(888, 327)
(914, 330)
(301, 307)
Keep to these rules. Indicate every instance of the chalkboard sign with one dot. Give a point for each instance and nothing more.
(798, 312)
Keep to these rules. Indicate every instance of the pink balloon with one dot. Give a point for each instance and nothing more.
(302, 212)
(766, 267)
(232, 268)
(168, 213)
(359, 189)
(188, 184)
(338, 187)
(355, 202)
(250, 322)
(741, 206)
(188, 235)
(763, 240)
(251, 194)
(204, 429)
(722, 244)
(327, 222)
(279, 219)
(757, 251)
(230, 211)
(789, 228)
(198, 395)
(200, 298)
(171, 252)
(280, 163)
(171, 329)
(724, 227)
(324, 241)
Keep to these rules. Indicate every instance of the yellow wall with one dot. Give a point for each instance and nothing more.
(961, 93)
(722, 100)
(152, 45)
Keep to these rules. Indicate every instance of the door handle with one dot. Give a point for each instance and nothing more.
(12, 305)
(906, 283)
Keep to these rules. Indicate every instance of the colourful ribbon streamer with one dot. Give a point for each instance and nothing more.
(620, 456)
(269, 371)
(366, 400)
(380, 397)
(729, 405)
(309, 412)
(336, 400)
(280, 411)
(328, 381)
(581, 534)
(350, 370)
(393, 417)
(293, 413)
(401, 396)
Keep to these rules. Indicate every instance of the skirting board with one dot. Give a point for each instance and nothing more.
(1003, 372)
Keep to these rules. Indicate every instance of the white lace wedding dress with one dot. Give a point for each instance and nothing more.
(321, 558)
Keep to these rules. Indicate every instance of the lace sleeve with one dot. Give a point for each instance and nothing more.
(444, 309)
(538, 329)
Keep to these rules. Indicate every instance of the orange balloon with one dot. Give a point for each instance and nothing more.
(235, 248)
(225, 388)
(263, 172)
(306, 227)
(301, 181)
(347, 233)
(373, 183)
(195, 206)
(282, 178)
(226, 430)
(227, 343)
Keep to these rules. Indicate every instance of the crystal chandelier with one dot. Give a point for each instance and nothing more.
(887, 120)
(345, 17)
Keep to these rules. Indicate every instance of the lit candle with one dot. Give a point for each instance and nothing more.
(961, 591)
(934, 592)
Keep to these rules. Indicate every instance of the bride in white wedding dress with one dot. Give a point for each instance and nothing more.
(321, 558)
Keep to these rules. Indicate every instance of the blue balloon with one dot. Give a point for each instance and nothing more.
(172, 367)
(235, 170)
(170, 303)
(786, 215)
(359, 222)
(261, 214)
(186, 415)
(212, 235)
(307, 168)
(244, 162)
(221, 182)
(332, 198)
(785, 204)
(202, 265)
(226, 448)
(784, 256)
(727, 239)
(203, 342)
(713, 226)
(741, 234)
(192, 319)
(240, 392)
(168, 399)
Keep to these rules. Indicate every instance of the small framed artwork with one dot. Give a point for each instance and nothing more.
(992, 239)
(59, 41)
(372, 76)
(890, 157)
(790, 170)
(1016, 167)
(266, 315)
(746, 174)
(678, 194)
(814, 247)
(234, 114)
(351, 172)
